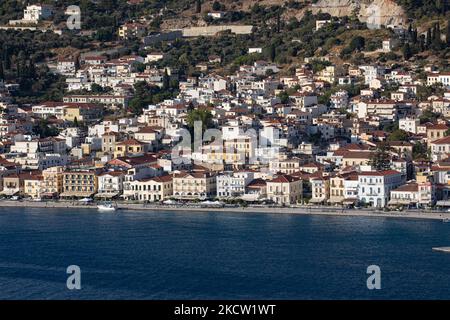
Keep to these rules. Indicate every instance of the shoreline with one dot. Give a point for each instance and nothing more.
(315, 211)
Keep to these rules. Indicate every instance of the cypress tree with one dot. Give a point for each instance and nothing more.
(447, 33)
(428, 39)
(406, 51)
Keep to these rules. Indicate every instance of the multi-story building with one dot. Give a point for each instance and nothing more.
(82, 112)
(130, 147)
(420, 193)
(320, 189)
(440, 149)
(231, 185)
(110, 184)
(409, 124)
(109, 140)
(79, 184)
(436, 131)
(153, 189)
(375, 186)
(131, 31)
(285, 190)
(194, 185)
(52, 182)
(33, 186)
(440, 77)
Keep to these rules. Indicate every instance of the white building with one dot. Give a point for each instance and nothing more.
(254, 50)
(33, 14)
(231, 185)
(110, 184)
(440, 149)
(408, 124)
(375, 186)
(321, 23)
(339, 99)
(372, 72)
(441, 77)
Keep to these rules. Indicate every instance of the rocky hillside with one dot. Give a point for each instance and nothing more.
(374, 12)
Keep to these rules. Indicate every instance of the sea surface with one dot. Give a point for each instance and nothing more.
(217, 255)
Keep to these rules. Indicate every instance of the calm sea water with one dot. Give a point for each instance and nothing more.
(187, 255)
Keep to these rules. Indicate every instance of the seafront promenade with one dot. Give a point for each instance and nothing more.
(304, 210)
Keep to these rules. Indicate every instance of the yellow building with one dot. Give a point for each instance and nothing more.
(131, 31)
(436, 132)
(130, 147)
(194, 185)
(79, 184)
(82, 112)
(32, 186)
(285, 190)
(109, 140)
(337, 189)
(355, 158)
(52, 183)
(154, 189)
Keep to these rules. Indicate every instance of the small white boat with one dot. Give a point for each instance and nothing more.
(106, 207)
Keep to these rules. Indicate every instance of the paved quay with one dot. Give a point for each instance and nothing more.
(305, 210)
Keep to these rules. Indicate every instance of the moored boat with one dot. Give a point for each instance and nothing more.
(106, 207)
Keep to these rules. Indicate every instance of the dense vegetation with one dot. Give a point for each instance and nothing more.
(420, 8)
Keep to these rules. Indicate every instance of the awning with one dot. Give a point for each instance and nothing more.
(251, 197)
(77, 195)
(400, 201)
(443, 203)
(49, 194)
(350, 201)
(106, 195)
(9, 192)
(317, 200)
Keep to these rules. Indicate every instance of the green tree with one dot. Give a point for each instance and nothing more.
(406, 51)
(202, 115)
(198, 6)
(43, 129)
(420, 151)
(398, 135)
(447, 33)
(216, 6)
(284, 97)
(381, 159)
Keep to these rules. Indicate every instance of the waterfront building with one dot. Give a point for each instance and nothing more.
(194, 185)
(110, 184)
(32, 186)
(79, 184)
(52, 182)
(152, 190)
(232, 185)
(285, 189)
(375, 186)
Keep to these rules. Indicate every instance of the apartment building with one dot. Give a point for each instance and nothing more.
(194, 185)
(79, 184)
(285, 189)
(152, 190)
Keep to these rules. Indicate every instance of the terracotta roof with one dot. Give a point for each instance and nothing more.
(257, 184)
(379, 173)
(284, 179)
(130, 142)
(410, 187)
(445, 140)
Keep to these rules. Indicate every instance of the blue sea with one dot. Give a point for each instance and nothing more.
(217, 255)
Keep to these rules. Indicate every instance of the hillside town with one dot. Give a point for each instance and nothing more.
(326, 133)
